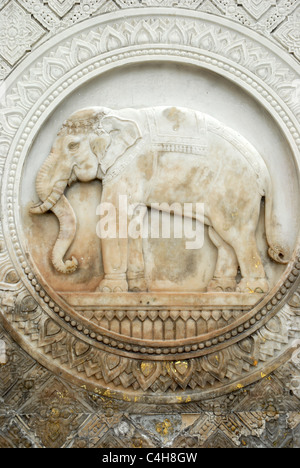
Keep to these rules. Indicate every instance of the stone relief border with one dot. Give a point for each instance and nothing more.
(39, 409)
(177, 381)
(46, 79)
(276, 19)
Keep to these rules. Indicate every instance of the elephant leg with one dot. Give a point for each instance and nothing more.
(224, 279)
(252, 270)
(114, 256)
(136, 265)
(114, 248)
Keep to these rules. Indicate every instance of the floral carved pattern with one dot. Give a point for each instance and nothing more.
(52, 16)
(212, 371)
(61, 7)
(288, 33)
(18, 32)
(257, 7)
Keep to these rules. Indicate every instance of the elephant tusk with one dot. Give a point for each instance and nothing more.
(51, 201)
(36, 209)
(42, 208)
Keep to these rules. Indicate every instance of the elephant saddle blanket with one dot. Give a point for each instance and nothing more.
(178, 130)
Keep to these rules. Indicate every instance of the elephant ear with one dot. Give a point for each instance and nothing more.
(123, 135)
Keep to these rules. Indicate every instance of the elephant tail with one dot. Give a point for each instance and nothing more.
(276, 251)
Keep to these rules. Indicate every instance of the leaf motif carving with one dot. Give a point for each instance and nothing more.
(146, 373)
(182, 372)
(113, 366)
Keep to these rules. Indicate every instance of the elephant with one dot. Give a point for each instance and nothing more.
(156, 155)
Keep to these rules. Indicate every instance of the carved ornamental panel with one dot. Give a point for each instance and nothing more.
(150, 205)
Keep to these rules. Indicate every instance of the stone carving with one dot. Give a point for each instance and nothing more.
(41, 410)
(257, 7)
(134, 349)
(208, 353)
(18, 32)
(56, 15)
(287, 33)
(213, 371)
(138, 154)
(193, 4)
(61, 7)
(3, 356)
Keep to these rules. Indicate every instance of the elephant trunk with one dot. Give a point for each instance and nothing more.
(51, 182)
(67, 230)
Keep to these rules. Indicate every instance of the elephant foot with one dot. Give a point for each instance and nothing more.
(138, 284)
(259, 285)
(222, 285)
(113, 285)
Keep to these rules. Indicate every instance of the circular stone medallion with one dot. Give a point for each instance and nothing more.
(179, 341)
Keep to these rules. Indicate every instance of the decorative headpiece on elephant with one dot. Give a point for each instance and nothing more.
(142, 153)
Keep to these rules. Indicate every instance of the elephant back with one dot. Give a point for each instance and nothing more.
(246, 150)
(176, 129)
(182, 130)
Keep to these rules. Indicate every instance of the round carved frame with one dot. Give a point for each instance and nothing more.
(47, 327)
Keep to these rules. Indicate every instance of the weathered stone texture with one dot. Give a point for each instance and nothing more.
(39, 409)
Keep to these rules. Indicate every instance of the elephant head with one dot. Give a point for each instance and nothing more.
(88, 144)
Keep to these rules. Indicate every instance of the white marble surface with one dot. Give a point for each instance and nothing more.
(179, 85)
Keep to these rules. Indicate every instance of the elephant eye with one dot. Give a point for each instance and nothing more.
(73, 146)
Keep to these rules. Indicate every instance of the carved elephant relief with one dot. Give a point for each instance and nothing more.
(163, 155)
